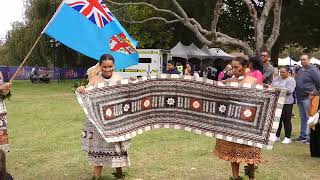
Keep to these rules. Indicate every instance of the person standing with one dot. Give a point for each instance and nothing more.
(289, 83)
(4, 175)
(179, 68)
(189, 71)
(226, 73)
(171, 69)
(256, 69)
(268, 69)
(308, 81)
(100, 152)
(233, 152)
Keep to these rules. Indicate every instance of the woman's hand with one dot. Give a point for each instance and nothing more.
(5, 88)
(133, 78)
(81, 89)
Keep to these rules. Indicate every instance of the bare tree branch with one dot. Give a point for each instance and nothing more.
(227, 40)
(201, 29)
(276, 25)
(261, 24)
(195, 28)
(181, 10)
(152, 19)
(216, 15)
(148, 5)
(213, 38)
(116, 10)
(253, 14)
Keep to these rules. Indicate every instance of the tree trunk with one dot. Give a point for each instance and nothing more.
(275, 51)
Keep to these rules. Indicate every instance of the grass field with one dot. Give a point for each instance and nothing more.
(45, 124)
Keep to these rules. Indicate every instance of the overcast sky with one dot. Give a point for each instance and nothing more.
(10, 11)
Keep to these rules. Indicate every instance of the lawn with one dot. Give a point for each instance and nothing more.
(45, 124)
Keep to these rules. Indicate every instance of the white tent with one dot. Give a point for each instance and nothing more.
(216, 53)
(286, 62)
(187, 52)
(312, 61)
(192, 51)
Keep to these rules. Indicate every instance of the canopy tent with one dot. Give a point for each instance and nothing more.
(187, 52)
(192, 51)
(286, 62)
(312, 61)
(216, 53)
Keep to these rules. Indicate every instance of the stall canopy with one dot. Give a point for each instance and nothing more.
(216, 53)
(286, 62)
(187, 52)
(192, 51)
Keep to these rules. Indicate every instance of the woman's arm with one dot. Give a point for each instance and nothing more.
(290, 86)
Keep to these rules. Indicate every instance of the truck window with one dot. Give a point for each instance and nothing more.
(144, 60)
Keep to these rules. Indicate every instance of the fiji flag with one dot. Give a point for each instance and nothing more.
(89, 27)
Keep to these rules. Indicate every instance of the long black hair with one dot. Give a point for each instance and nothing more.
(105, 57)
(192, 69)
(256, 63)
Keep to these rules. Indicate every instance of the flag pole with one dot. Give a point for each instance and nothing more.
(25, 59)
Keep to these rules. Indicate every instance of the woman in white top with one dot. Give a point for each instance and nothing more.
(100, 152)
(289, 83)
(190, 71)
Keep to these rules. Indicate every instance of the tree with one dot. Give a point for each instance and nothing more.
(20, 39)
(299, 30)
(214, 37)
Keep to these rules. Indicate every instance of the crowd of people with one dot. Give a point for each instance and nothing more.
(302, 85)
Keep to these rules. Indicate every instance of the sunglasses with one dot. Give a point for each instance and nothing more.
(262, 55)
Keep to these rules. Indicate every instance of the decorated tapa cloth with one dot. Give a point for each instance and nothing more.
(4, 143)
(240, 113)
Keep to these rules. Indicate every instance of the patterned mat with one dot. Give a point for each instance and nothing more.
(240, 113)
(4, 143)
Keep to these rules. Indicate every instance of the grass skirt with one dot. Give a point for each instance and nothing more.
(238, 153)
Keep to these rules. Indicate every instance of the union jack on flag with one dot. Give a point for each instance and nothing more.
(94, 10)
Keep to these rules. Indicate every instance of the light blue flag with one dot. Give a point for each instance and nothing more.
(89, 27)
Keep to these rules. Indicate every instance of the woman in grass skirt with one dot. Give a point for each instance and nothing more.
(233, 152)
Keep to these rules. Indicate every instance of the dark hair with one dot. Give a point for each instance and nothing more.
(192, 70)
(241, 60)
(256, 63)
(287, 68)
(3, 169)
(170, 62)
(105, 57)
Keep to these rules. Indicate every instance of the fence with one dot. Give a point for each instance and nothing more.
(25, 72)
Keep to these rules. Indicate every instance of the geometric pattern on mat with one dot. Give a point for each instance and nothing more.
(240, 113)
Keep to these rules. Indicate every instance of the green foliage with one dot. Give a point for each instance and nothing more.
(152, 34)
(299, 27)
(23, 35)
